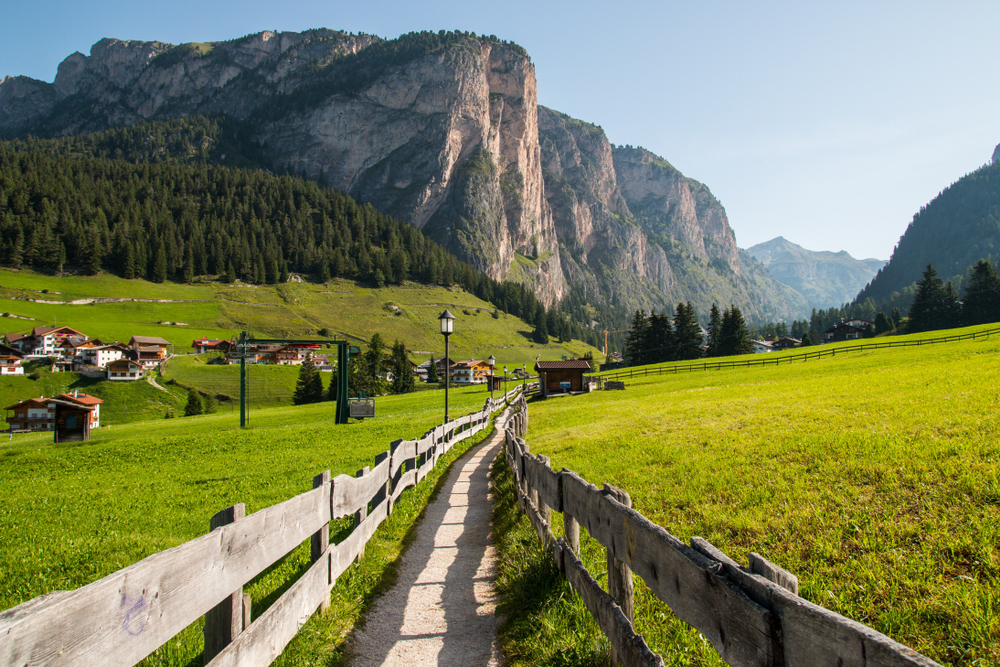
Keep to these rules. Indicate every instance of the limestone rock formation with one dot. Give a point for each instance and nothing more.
(443, 131)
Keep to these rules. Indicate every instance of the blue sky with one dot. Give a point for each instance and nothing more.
(829, 124)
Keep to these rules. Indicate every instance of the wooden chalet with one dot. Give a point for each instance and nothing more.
(561, 377)
(87, 401)
(150, 351)
(34, 414)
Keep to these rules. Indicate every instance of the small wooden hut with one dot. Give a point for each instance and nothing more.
(72, 423)
(561, 377)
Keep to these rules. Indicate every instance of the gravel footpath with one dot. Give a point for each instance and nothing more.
(441, 610)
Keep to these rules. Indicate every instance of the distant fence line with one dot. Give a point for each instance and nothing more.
(768, 360)
(120, 619)
(752, 616)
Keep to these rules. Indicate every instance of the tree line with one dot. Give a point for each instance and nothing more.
(657, 338)
(172, 220)
(368, 373)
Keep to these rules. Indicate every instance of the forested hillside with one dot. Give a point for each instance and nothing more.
(954, 231)
(161, 212)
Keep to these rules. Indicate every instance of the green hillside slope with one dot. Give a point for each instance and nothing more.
(874, 477)
(954, 231)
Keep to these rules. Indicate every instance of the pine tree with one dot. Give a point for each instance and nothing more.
(951, 309)
(882, 324)
(306, 385)
(194, 405)
(659, 345)
(714, 331)
(687, 333)
(541, 332)
(160, 265)
(636, 338)
(927, 312)
(734, 336)
(982, 296)
(402, 371)
(432, 372)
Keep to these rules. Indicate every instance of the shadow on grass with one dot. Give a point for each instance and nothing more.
(544, 620)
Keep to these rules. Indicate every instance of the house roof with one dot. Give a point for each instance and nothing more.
(568, 365)
(13, 337)
(72, 404)
(122, 362)
(149, 340)
(9, 351)
(84, 399)
(40, 400)
(42, 331)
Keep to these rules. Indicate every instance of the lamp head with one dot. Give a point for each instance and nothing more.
(447, 322)
(492, 361)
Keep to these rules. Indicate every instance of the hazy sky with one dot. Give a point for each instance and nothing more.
(830, 125)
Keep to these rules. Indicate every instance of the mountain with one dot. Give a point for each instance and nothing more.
(954, 231)
(824, 278)
(442, 131)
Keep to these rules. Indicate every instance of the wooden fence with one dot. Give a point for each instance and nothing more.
(769, 360)
(752, 615)
(122, 618)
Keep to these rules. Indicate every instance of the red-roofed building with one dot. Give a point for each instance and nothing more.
(34, 414)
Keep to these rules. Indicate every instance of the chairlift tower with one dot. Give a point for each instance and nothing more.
(342, 360)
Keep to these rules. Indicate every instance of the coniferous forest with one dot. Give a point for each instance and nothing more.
(145, 202)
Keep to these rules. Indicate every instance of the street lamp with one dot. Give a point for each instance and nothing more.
(447, 327)
(524, 378)
(505, 380)
(492, 361)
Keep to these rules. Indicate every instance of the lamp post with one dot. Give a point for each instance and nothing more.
(524, 378)
(491, 362)
(447, 327)
(505, 380)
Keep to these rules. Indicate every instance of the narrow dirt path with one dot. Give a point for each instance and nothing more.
(441, 610)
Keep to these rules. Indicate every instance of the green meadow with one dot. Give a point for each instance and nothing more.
(73, 513)
(292, 310)
(874, 477)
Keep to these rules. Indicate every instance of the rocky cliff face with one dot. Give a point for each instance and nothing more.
(440, 130)
(636, 232)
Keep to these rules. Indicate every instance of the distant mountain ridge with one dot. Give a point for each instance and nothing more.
(824, 278)
(443, 131)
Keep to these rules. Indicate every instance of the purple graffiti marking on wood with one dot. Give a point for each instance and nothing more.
(133, 606)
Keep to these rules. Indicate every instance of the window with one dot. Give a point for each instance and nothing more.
(70, 421)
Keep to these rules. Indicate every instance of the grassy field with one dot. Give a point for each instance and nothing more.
(292, 310)
(874, 477)
(76, 512)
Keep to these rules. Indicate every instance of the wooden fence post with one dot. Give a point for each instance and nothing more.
(226, 620)
(385, 493)
(571, 527)
(360, 515)
(620, 585)
(543, 509)
(320, 540)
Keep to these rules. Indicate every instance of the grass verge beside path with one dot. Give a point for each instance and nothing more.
(545, 623)
(75, 512)
(875, 478)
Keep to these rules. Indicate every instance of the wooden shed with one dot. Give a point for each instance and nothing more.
(72, 423)
(560, 377)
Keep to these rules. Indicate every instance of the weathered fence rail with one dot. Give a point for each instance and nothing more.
(122, 618)
(769, 360)
(753, 616)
